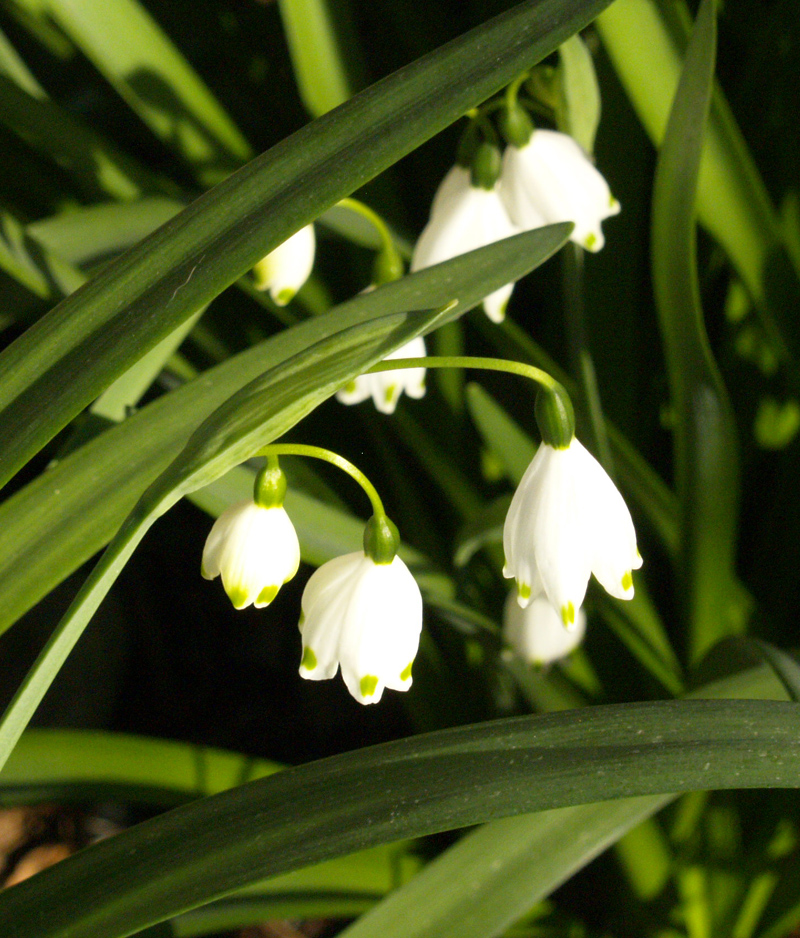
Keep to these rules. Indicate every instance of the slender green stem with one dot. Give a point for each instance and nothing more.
(540, 377)
(373, 218)
(479, 116)
(513, 90)
(317, 452)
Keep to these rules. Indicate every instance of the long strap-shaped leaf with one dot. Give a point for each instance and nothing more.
(497, 873)
(56, 368)
(417, 786)
(706, 451)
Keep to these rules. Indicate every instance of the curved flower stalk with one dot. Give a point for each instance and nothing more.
(550, 179)
(284, 270)
(537, 634)
(566, 521)
(465, 217)
(385, 388)
(255, 550)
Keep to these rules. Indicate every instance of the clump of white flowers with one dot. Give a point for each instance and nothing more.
(537, 634)
(543, 177)
(284, 270)
(363, 613)
(567, 520)
(253, 545)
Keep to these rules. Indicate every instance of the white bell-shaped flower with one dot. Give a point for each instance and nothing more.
(566, 521)
(386, 387)
(463, 218)
(255, 550)
(537, 634)
(550, 180)
(284, 270)
(364, 617)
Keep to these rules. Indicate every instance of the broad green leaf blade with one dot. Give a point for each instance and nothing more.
(319, 68)
(500, 871)
(60, 365)
(262, 410)
(81, 765)
(62, 518)
(706, 450)
(129, 48)
(496, 874)
(59, 764)
(444, 780)
(732, 200)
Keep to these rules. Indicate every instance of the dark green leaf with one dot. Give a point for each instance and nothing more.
(444, 780)
(706, 451)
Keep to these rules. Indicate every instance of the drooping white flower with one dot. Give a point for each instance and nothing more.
(551, 179)
(537, 633)
(566, 521)
(255, 550)
(463, 218)
(387, 386)
(284, 270)
(364, 617)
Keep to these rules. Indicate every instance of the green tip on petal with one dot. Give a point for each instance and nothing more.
(266, 596)
(524, 590)
(368, 684)
(568, 615)
(238, 597)
(350, 387)
(390, 393)
(309, 661)
(285, 296)
(589, 241)
(405, 674)
(627, 581)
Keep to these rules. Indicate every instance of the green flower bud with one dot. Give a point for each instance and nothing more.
(269, 488)
(515, 125)
(381, 539)
(555, 417)
(485, 166)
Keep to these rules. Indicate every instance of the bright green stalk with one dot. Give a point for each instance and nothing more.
(732, 201)
(317, 452)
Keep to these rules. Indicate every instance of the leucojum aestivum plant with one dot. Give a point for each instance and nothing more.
(235, 699)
